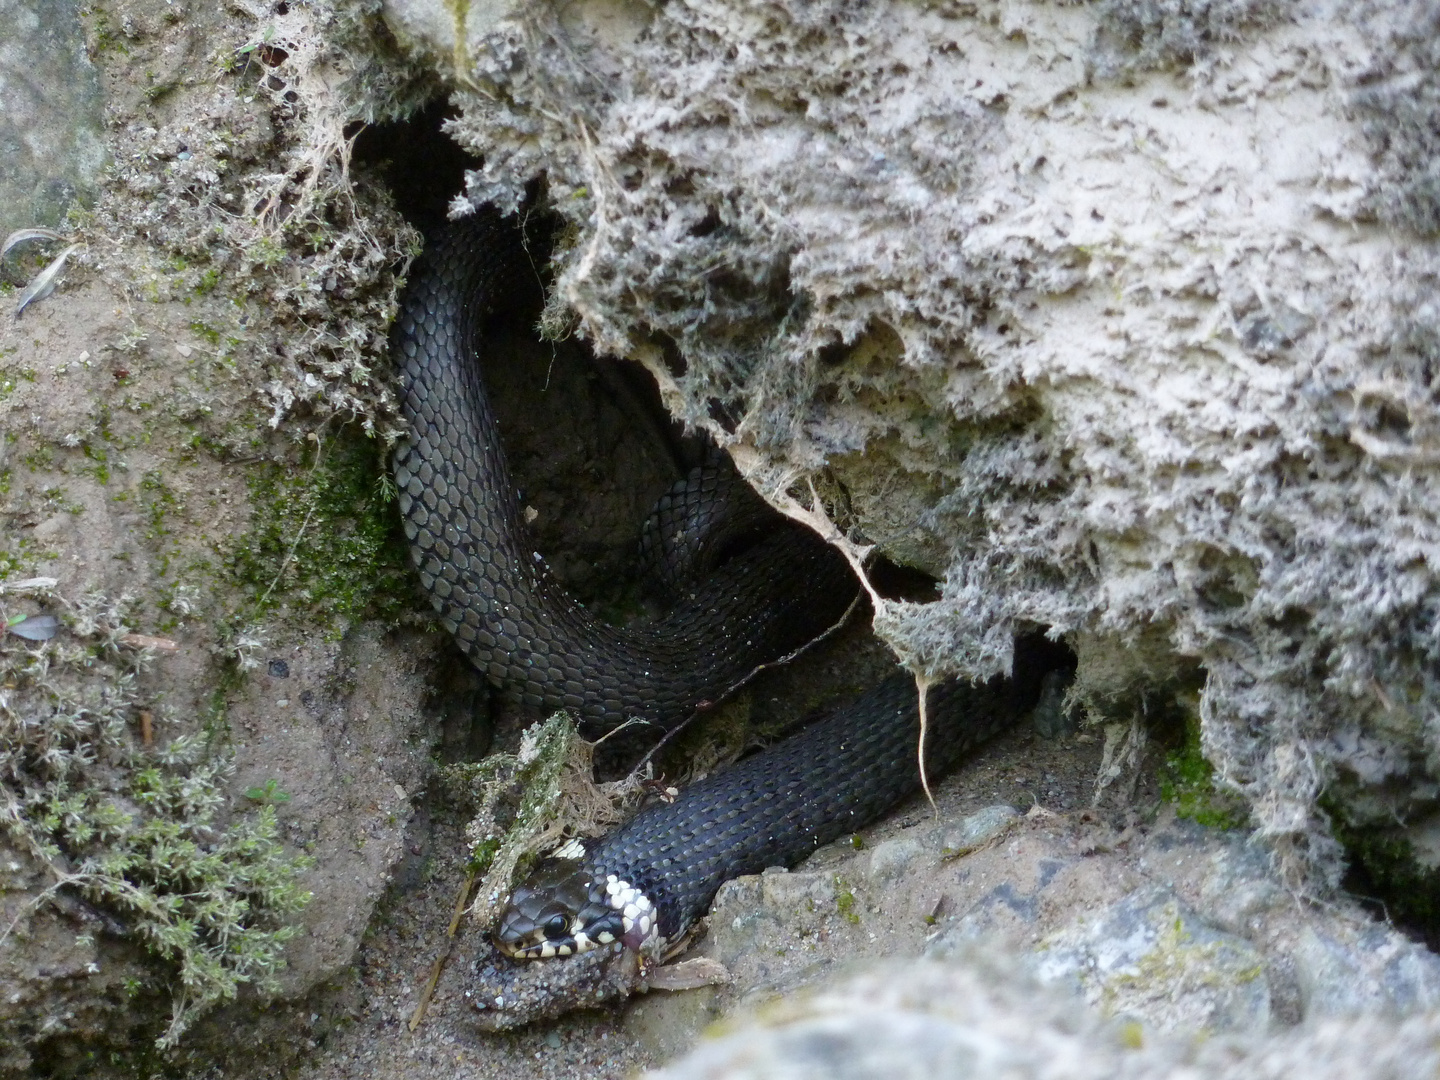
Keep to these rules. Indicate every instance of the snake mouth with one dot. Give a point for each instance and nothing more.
(569, 944)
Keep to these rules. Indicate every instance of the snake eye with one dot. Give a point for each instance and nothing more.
(557, 926)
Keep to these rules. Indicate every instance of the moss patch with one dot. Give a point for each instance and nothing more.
(845, 904)
(1383, 867)
(1187, 782)
(326, 538)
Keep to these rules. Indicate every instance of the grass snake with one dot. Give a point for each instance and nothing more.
(645, 885)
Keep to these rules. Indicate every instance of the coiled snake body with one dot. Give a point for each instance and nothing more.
(472, 548)
(644, 885)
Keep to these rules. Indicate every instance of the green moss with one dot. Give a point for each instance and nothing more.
(159, 501)
(40, 458)
(1177, 959)
(266, 252)
(204, 330)
(11, 378)
(845, 902)
(326, 538)
(208, 281)
(1383, 866)
(18, 555)
(100, 462)
(104, 37)
(1187, 781)
(55, 498)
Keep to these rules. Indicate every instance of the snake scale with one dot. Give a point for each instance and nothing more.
(643, 887)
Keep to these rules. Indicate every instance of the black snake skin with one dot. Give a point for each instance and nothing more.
(775, 808)
(772, 809)
(473, 551)
(776, 592)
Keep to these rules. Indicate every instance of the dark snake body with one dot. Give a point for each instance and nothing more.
(476, 560)
(771, 809)
(494, 594)
(776, 807)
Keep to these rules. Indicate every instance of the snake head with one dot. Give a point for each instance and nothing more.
(565, 908)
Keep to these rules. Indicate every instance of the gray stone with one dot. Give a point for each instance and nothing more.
(1051, 718)
(889, 859)
(983, 1016)
(1240, 889)
(1002, 913)
(51, 129)
(796, 894)
(979, 828)
(1369, 969)
(767, 907)
(1151, 959)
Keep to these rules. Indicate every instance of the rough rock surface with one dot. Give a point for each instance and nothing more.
(51, 133)
(1169, 928)
(222, 719)
(978, 1015)
(1119, 317)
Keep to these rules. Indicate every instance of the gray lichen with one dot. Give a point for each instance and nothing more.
(1143, 35)
(1397, 101)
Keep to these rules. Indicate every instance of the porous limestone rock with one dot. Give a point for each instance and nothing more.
(1120, 318)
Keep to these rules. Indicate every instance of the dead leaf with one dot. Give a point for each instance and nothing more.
(688, 974)
(28, 584)
(35, 627)
(145, 641)
(44, 282)
(21, 236)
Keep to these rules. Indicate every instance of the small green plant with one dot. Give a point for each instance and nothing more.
(266, 252)
(206, 332)
(845, 902)
(100, 458)
(132, 827)
(209, 279)
(269, 795)
(159, 502)
(40, 458)
(56, 498)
